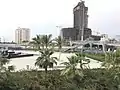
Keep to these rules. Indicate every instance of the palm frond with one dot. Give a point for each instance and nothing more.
(11, 68)
(4, 61)
(53, 60)
(66, 70)
(65, 63)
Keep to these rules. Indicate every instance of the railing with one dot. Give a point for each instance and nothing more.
(95, 42)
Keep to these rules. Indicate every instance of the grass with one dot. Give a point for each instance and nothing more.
(99, 57)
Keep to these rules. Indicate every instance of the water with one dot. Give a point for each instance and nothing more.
(24, 62)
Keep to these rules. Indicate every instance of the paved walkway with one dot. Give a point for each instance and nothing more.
(21, 63)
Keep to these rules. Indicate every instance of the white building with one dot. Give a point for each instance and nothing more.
(104, 37)
(22, 34)
(117, 37)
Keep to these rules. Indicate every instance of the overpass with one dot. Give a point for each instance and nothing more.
(95, 42)
(77, 44)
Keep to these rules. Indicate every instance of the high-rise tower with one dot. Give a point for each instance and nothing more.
(22, 34)
(80, 18)
(80, 30)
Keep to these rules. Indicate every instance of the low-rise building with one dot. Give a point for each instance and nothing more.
(69, 34)
(73, 33)
(96, 38)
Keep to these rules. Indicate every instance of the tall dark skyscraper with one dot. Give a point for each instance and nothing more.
(80, 18)
(80, 15)
(80, 30)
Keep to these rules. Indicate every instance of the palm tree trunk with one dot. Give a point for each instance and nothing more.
(74, 71)
(46, 77)
(59, 54)
(46, 70)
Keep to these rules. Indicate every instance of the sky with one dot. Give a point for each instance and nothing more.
(42, 16)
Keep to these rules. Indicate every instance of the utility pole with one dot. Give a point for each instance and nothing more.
(82, 28)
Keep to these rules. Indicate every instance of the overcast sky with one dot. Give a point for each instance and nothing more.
(42, 16)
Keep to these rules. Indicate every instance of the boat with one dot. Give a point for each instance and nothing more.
(12, 54)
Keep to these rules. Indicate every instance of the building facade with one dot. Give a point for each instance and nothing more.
(80, 15)
(96, 38)
(22, 34)
(69, 34)
(80, 30)
(117, 37)
(80, 19)
(72, 33)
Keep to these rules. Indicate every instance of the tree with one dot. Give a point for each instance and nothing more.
(71, 67)
(37, 41)
(112, 60)
(59, 41)
(25, 43)
(31, 44)
(73, 73)
(112, 65)
(46, 41)
(82, 60)
(42, 41)
(45, 60)
(3, 61)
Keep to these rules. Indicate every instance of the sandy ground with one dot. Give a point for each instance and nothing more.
(22, 63)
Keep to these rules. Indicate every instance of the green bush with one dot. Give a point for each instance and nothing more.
(97, 79)
(99, 57)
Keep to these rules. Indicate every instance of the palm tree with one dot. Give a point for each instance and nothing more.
(73, 61)
(45, 60)
(112, 60)
(25, 43)
(11, 68)
(43, 41)
(82, 60)
(46, 41)
(112, 64)
(71, 66)
(59, 41)
(37, 41)
(31, 44)
(108, 60)
(3, 61)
